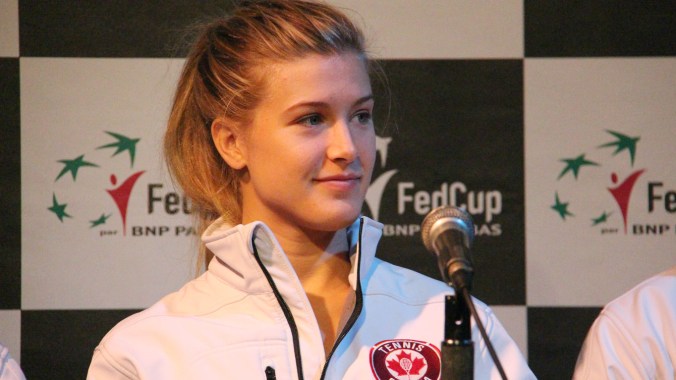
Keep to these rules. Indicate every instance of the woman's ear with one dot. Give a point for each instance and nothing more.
(229, 142)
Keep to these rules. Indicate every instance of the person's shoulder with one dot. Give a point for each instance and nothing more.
(150, 318)
(392, 272)
(660, 283)
(201, 296)
(655, 292)
(405, 284)
(411, 287)
(9, 368)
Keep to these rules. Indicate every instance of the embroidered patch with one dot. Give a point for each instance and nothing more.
(405, 359)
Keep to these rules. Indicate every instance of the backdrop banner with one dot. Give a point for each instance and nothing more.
(552, 123)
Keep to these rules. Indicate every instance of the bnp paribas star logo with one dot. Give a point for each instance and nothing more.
(618, 185)
(118, 190)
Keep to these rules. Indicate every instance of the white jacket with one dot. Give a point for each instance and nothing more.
(634, 336)
(248, 317)
(9, 368)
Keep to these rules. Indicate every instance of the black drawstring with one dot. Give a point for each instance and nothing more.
(270, 373)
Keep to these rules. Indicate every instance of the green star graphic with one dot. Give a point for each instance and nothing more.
(561, 208)
(101, 220)
(601, 219)
(123, 143)
(623, 142)
(58, 209)
(73, 166)
(574, 165)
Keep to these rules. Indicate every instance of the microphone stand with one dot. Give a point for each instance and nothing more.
(448, 232)
(457, 353)
(457, 349)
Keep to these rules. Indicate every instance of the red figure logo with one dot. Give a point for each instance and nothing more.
(121, 195)
(622, 192)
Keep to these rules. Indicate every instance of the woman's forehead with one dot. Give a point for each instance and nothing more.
(317, 75)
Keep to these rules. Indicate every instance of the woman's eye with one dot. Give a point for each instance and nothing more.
(364, 117)
(311, 120)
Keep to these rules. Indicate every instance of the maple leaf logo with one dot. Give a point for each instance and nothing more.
(405, 359)
(406, 365)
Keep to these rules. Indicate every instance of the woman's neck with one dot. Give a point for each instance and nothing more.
(318, 257)
(323, 267)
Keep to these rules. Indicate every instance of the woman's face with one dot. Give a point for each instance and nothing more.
(310, 148)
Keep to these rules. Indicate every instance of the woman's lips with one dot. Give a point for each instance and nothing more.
(340, 181)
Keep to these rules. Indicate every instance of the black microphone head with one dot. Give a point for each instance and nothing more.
(450, 217)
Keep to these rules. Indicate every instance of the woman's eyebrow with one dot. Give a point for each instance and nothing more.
(316, 104)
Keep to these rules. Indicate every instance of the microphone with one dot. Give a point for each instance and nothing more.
(448, 232)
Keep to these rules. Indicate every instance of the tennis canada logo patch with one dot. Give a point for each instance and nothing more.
(405, 359)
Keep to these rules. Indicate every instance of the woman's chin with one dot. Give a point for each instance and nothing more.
(336, 221)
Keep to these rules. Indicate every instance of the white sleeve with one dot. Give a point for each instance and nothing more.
(103, 367)
(634, 337)
(9, 368)
(509, 354)
(609, 352)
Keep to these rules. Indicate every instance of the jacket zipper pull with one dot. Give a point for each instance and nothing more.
(270, 373)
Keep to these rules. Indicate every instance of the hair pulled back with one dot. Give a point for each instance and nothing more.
(223, 77)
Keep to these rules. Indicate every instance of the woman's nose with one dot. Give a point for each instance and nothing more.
(341, 144)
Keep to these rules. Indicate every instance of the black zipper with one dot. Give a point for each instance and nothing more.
(270, 373)
(287, 314)
(357, 305)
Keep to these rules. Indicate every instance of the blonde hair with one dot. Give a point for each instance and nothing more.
(223, 77)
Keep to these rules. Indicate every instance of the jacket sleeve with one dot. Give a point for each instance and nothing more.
(104, 367)
(511, 358)
(9, 368)
(608, 349)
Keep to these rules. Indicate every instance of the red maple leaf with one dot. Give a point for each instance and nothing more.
(404, 365)
(416, 366)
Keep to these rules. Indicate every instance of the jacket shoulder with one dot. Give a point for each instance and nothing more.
(202, 296)
(410, 287)
(404, 284)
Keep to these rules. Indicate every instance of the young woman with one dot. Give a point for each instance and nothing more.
(271, 137)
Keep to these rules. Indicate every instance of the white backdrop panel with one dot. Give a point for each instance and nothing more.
(67, 106)
(10, 332)
(9, 28)
(437, 29)
(570, 107)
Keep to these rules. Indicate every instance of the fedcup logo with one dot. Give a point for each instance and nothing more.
(414, 201)
(374, 194)
(118, 188)
(616, 176)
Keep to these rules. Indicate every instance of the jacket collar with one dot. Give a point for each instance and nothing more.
(236, 263)
(234, 260)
